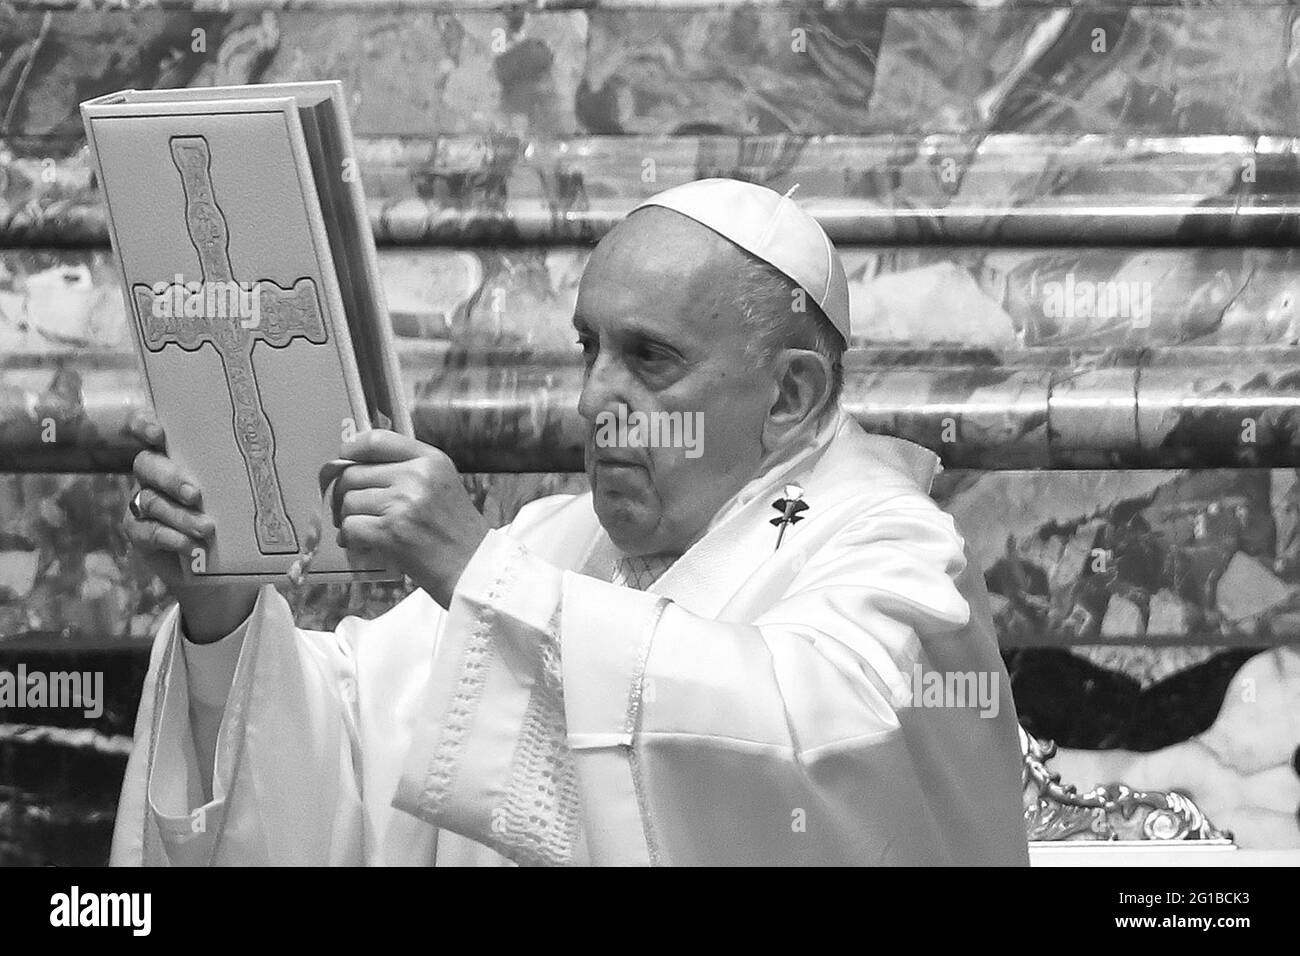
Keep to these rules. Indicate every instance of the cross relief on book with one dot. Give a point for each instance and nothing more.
(233, 316)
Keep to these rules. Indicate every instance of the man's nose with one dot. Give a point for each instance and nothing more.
(604, 387)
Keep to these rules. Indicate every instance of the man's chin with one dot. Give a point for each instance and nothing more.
(627, 524)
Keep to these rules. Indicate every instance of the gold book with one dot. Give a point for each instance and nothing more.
(249, 272)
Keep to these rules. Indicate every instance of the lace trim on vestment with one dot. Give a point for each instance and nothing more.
(479, 652)
(538, 824)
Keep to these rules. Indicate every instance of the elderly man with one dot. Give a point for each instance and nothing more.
(741, 653)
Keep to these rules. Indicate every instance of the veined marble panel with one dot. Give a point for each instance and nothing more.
(986, 190)
(736, 69)
(1007, 305)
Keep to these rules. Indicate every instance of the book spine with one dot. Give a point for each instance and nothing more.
(401, 415)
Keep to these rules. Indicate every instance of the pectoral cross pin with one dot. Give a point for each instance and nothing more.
(790, 507)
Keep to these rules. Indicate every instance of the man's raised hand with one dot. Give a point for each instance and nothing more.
(170, 526)
(404, 500)
(171, 521)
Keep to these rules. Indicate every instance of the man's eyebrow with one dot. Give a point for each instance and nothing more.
(637, 330)
(654, 333)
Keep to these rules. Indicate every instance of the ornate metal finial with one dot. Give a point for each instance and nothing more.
(1114, 812)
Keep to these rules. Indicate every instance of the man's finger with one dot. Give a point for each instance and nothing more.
(379, 445)
(159, 472)
(150, 535)
(357, 478)
(361, 533)
(362, 501)
(163, 509)
(144, 428)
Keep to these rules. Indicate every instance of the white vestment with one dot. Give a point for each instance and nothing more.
(749, 707)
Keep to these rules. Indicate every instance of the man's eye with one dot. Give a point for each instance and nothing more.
(652, 355)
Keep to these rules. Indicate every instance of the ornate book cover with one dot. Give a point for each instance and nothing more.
(250, 279)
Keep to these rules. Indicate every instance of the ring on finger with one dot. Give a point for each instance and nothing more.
(134, 507)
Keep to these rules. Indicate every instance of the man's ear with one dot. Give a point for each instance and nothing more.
(803, 381)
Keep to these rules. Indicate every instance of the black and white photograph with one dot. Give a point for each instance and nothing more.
(652, 433)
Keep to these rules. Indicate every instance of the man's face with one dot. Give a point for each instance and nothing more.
(661, 332)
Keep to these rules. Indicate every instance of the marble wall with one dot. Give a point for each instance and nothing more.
(965, 157)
